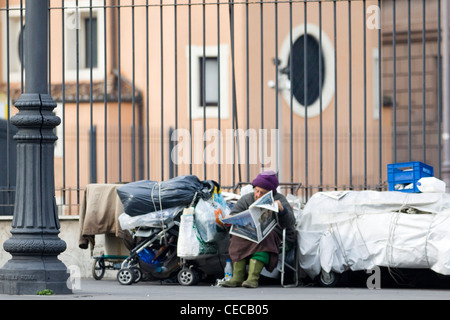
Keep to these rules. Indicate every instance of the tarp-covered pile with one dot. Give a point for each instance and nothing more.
(359, 230)
(144, 196)
(151, 204)
(147, 203)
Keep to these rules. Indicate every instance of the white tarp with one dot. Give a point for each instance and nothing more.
(364, 229)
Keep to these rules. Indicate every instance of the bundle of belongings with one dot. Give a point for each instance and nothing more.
(144, 196)
(149, 203)
(359, 230)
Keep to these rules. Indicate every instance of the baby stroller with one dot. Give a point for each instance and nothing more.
(155, 255)
(156, 234)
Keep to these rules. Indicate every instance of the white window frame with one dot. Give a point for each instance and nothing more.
(72, 22)
(328, 57)
(211, 111)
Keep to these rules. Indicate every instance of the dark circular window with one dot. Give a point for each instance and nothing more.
(312, 64)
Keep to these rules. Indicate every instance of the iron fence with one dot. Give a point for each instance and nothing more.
(326, 93)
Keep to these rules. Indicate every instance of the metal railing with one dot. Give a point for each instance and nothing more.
(155, 89)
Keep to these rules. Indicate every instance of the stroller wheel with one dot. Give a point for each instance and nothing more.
(188, 277)
(126, 276)
(98, 269)
(137, 274)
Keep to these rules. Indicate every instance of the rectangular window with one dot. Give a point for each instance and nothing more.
(204, 76)
(84, 48)
(209, 83)
(91, 44)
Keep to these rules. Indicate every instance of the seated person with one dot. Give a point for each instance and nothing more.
(265, 253)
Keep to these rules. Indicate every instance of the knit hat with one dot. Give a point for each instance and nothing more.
(267, 180)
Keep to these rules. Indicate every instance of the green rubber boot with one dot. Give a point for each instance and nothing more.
(238, 275)
(254, 270)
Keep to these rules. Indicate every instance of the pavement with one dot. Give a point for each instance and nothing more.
(111, 289)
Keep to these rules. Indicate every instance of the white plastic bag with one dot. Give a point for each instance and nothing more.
(190, 244)
(431, 184)
(208, 218)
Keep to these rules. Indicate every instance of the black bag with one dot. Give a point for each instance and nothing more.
(144, 196)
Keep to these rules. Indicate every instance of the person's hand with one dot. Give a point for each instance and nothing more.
(280, 206)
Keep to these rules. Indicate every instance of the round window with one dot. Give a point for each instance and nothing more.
(319, 70)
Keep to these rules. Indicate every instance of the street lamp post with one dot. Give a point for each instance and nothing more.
(34, 243)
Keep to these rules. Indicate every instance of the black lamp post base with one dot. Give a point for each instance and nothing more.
(31, 274)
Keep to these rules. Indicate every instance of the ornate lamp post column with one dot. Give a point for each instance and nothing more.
(34, 244)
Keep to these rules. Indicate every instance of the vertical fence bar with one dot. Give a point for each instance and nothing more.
(424, 141)
(335, 98)
(247, 82)
(279, 148)
(8, 94)
(119, 89)
(233, 96)
(442, 162)
(22, 69)
(305, 90)
(219, 168)
(203, 84)
(394, 67)
(190, 83)
(365, 90)
(90, 59)
(291, 95)
(261, 12)
(161, 41)
(105, 94)
(409, 83)
(78, 102)
(49, 32)
(380, 103)
(147, 86)
(350, 94)
(63, 99)
(133, 97)
(320, 101)
(93, 154)
(175, 15)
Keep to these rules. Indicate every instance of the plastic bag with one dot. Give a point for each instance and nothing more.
(144, 196)
(190, 244)
(208, 217)
(150, 219)
(431, 184)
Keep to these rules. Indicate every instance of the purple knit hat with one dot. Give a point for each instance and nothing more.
(267, 180)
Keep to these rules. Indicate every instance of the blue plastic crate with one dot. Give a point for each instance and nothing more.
(406, 173)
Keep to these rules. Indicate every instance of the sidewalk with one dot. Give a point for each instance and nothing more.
(110, 289)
